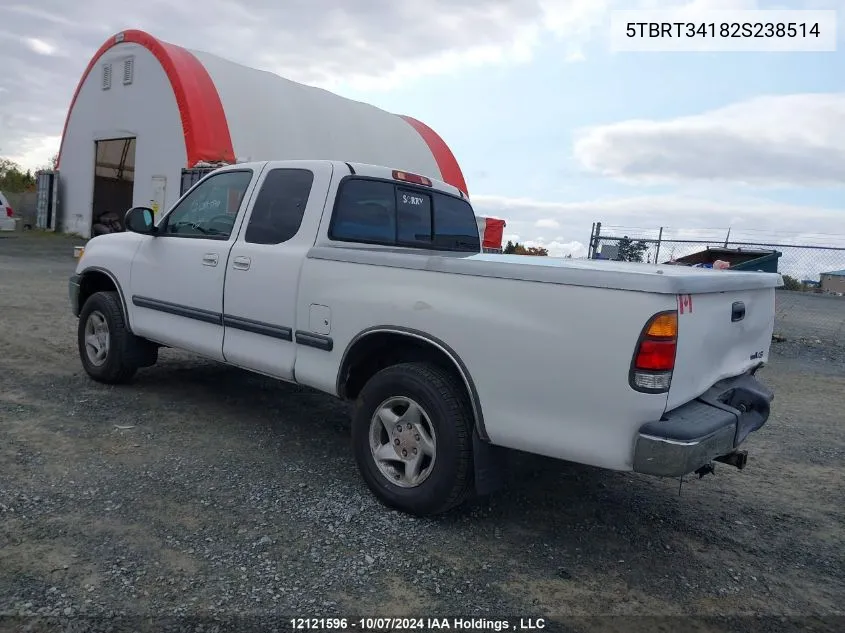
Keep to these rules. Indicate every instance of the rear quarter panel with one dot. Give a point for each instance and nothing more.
(711, 347)
(550, 362)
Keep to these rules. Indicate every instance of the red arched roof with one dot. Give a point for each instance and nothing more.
(207, 135)
(446, 161)
(203, 119)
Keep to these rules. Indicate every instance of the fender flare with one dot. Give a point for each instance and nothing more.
(110, 275)
(463, 372)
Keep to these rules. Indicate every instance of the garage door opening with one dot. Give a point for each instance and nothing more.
(114, 184)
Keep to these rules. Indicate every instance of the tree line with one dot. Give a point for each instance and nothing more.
(14, 179)
(515, 248)
(629, 250)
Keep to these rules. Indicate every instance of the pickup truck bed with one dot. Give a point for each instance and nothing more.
(369, 285)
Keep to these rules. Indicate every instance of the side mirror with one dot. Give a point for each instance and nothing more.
(140, 220)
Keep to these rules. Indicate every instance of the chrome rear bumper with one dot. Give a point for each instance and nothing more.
(711, 426)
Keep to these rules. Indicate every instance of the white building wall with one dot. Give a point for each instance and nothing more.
(273, 118)
(145, 109)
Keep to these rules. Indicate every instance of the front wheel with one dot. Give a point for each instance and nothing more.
(411, 434)
(109, 352)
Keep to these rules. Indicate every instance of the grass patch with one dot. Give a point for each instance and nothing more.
(52, 235)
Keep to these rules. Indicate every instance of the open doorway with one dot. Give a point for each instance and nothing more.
(114, 184)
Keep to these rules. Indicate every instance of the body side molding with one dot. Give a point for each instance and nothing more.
(317, 341)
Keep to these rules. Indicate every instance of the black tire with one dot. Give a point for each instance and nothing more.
(126, 352)
(450, 480)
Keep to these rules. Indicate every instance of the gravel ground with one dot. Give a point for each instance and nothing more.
(201, 491)
(810, 316)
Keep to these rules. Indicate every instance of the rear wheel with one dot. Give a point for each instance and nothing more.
(109, 352)
(411, 434)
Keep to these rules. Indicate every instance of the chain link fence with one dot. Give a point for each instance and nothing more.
(810, 306)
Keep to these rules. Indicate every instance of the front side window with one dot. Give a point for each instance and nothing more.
(210, 210)
(280, 206)
(381, 212)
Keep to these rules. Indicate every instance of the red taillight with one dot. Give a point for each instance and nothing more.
(655, 355)
(654, 358)
(9, 212)
(416, 179)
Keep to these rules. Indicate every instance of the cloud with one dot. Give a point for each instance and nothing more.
(36, 152)
(547, 223)
(367, 43)
(769, 140)
(676, 211)
(372, 44)
(559, 248)
(683, 217)
(39, 46)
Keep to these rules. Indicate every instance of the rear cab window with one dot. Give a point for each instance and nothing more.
(373, 211)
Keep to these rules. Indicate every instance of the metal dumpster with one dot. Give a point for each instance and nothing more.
(753, 259)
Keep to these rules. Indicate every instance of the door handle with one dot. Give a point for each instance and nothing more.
(209, 259)
(241, 263)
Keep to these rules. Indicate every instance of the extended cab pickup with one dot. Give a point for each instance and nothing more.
(369, 284)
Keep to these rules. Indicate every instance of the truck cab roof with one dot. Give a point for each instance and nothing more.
(365, 170)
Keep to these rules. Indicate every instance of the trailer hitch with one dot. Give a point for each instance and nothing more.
(734, 458)
(707, 469)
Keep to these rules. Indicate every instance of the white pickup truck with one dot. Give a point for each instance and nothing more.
(369, 284)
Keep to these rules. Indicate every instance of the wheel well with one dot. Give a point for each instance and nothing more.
(373, 352)
(94, 281)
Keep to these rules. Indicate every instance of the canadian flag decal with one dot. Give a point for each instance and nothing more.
(684, 303)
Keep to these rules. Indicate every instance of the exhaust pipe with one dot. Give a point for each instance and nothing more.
(734, 458)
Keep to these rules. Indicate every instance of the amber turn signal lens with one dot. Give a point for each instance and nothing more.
(664, 326)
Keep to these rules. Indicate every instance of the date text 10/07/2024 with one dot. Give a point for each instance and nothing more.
(416, 624)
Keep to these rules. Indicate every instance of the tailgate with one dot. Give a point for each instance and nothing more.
(720, 335)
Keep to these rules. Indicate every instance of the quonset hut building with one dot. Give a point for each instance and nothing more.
(146, 114)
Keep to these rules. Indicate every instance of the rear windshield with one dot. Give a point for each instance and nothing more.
(382, 212)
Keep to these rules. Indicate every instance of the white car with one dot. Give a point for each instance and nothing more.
(7, 214)
(367, 283)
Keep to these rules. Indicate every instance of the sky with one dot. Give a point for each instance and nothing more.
(552, 128)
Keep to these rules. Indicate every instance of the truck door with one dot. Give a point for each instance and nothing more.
(259, 299)
(177, 275)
